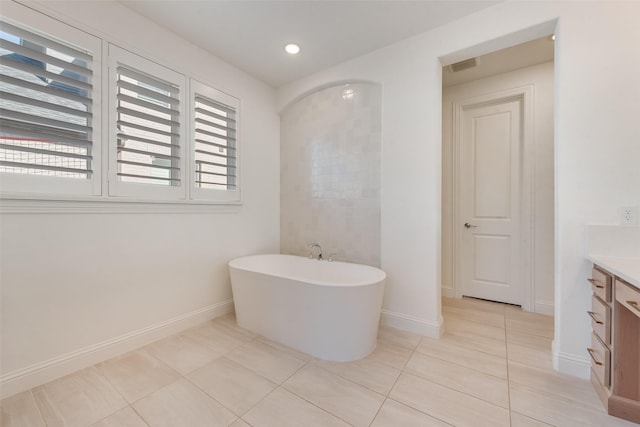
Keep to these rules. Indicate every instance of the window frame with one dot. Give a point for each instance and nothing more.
(117, 187)
(38, 186)
(32, 193)
(210, 194)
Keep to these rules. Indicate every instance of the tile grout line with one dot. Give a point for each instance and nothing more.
(422, 412)
(281, 386)
(225, 354)
(44, 423)
(184, 377)
(304, 398)
(355, 383)
(388, 397)
(254, 339)
(509, 380)
(339, 375)
(139, 415)
(465, 366)
(380, 408)
(451, 388)
(162, 362)
(474, 349)
(506, 360)
(403, 370)
(117, 391)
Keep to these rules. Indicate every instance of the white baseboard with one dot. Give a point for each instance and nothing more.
(544, 307)
(49, 370)
(412, 324)
(571, 364)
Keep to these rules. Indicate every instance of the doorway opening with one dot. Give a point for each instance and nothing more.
(497, 177)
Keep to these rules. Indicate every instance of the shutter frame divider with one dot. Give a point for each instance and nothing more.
(212, 128)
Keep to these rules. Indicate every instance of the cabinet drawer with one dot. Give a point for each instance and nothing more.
(600, 360)
(628, 296)
(601, 283)
(600, 319)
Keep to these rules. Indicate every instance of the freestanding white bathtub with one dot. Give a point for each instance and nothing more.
(329, 310)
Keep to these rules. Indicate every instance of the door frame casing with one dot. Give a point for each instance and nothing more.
(527, 191)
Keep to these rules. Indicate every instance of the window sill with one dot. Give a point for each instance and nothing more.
(22, 205)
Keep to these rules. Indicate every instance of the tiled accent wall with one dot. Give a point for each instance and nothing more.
(330, 173)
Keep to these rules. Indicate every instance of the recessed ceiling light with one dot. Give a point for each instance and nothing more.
(292, 48)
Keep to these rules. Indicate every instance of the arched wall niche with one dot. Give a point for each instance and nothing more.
(330, 172)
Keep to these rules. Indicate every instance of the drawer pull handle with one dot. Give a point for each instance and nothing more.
(595, 283)
(634, 304)
(596, 361)
(593, 316)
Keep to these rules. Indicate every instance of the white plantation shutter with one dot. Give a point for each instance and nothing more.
(46, 107)
(148, 129)
(147, 157)
(215, 144)
(168, 138)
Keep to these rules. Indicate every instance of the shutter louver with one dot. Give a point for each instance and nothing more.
(148, 125)
(215, 144)
(45, 106)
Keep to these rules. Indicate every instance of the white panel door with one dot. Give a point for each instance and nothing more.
(490, 146)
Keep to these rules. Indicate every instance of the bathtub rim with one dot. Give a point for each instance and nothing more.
(308, 280)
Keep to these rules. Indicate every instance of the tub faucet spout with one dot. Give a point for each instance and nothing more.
(312, 246)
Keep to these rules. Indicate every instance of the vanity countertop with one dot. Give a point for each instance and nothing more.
(628, 269)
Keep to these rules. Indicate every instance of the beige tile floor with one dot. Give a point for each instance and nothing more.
(491, 368)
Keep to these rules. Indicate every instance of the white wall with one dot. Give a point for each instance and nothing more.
(78, 287)
(540, 77)
(596, 145)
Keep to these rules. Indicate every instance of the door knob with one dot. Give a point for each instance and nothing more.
(467, 225)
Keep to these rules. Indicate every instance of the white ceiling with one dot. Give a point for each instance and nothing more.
(251, 34)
